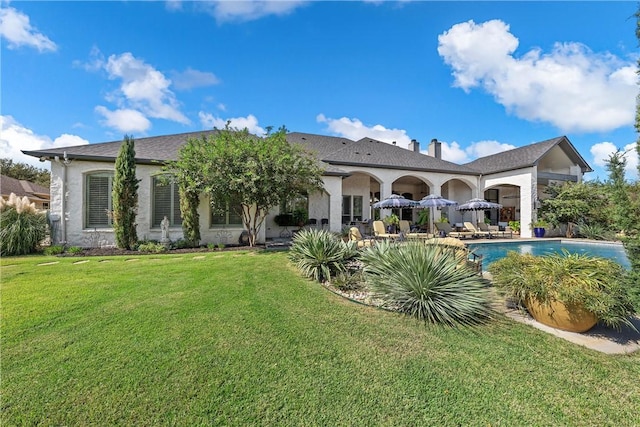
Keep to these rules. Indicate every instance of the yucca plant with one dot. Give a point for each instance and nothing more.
(595, 283)
(319, 254)
(22, 227)
(430, 282)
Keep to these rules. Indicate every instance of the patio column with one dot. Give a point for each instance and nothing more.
(385, 192)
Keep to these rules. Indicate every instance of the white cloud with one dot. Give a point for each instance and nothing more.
(452, 152)
(221, 107)
(487, 148)
(144, 88)
(16, 28)
(209, 121)
(354, 129)
(602, 150)
(191, 78)
(14, 137)
(247, 10)
(124, 120)
(173, 5)
(570, 87)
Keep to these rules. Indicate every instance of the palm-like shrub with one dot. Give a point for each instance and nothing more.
(595, 283)
(22, 227)
(319, 254)
(430, 282)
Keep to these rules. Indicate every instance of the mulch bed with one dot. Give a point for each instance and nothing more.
(117, 251)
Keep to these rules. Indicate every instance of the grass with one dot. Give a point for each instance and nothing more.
(241, 339)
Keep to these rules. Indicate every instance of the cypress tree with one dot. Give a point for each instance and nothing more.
(125, 196)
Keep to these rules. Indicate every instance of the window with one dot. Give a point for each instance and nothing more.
(231, 216)
(98, 204)
(351, 208)
(166, 202)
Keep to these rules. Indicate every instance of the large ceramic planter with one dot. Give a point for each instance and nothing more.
(538, 231)
(571, 317)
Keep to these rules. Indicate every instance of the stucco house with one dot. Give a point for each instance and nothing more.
(357, 173)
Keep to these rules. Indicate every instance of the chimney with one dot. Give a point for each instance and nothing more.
(414, 145)
(435, 148)
(394, 143)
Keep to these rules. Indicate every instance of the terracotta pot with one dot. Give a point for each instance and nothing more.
(571, 317)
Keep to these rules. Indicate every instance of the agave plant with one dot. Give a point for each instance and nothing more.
(320, 254)
(430, 282)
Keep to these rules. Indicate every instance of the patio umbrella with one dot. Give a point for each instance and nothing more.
(478, 205)
(433, 201)
(395, 201)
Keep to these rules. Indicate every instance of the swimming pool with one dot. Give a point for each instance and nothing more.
(493, 251)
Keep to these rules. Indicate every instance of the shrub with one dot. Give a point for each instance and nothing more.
(22, 227)
(319, 254)
(595, 232)
(596, 283)
(182, 244)
(53, 250)
(152, 247)
(75, 250)
(430, 282)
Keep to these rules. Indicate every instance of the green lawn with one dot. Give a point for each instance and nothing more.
(240, 339)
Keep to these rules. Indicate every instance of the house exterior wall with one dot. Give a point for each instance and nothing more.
(526, 180)
(70, 209)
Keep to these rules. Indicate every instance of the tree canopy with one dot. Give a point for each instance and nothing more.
(235, 168)
(25, 171)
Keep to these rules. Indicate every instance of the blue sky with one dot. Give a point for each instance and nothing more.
(480, 76)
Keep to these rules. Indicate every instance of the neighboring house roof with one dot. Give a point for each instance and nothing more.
(21, 188)
(527, 156)
(332, 152)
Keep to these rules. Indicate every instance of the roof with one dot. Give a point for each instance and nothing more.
(527, 156)
(21, 188)
(372, 153)
(332, 152)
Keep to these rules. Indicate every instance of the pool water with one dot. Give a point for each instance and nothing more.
(494, 251)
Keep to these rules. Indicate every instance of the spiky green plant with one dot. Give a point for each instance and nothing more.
(430, 282)
(319, 254)
(598, 284)
(22, 227)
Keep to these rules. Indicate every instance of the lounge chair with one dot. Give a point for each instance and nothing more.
(379, 231)
(495, 232)
(448, 231)
(477, 232)
(356, 236)
(405, 229)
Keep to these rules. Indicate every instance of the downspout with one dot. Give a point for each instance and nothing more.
(63, 220)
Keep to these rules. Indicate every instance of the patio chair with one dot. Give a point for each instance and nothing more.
(448, 231)
(380, 231)
(477, 232)
(405, 229)
(355, 236)
(494, 230)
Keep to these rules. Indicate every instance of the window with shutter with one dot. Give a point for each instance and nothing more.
(98, 200)
(166, 202)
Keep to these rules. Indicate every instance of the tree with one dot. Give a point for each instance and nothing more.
(25, 171)
(571, 203)
(236, 168)
(125, 196)
(618, 192)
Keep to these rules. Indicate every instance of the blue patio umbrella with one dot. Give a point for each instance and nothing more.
(433, 201)
(478, 205)
(395, 201)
